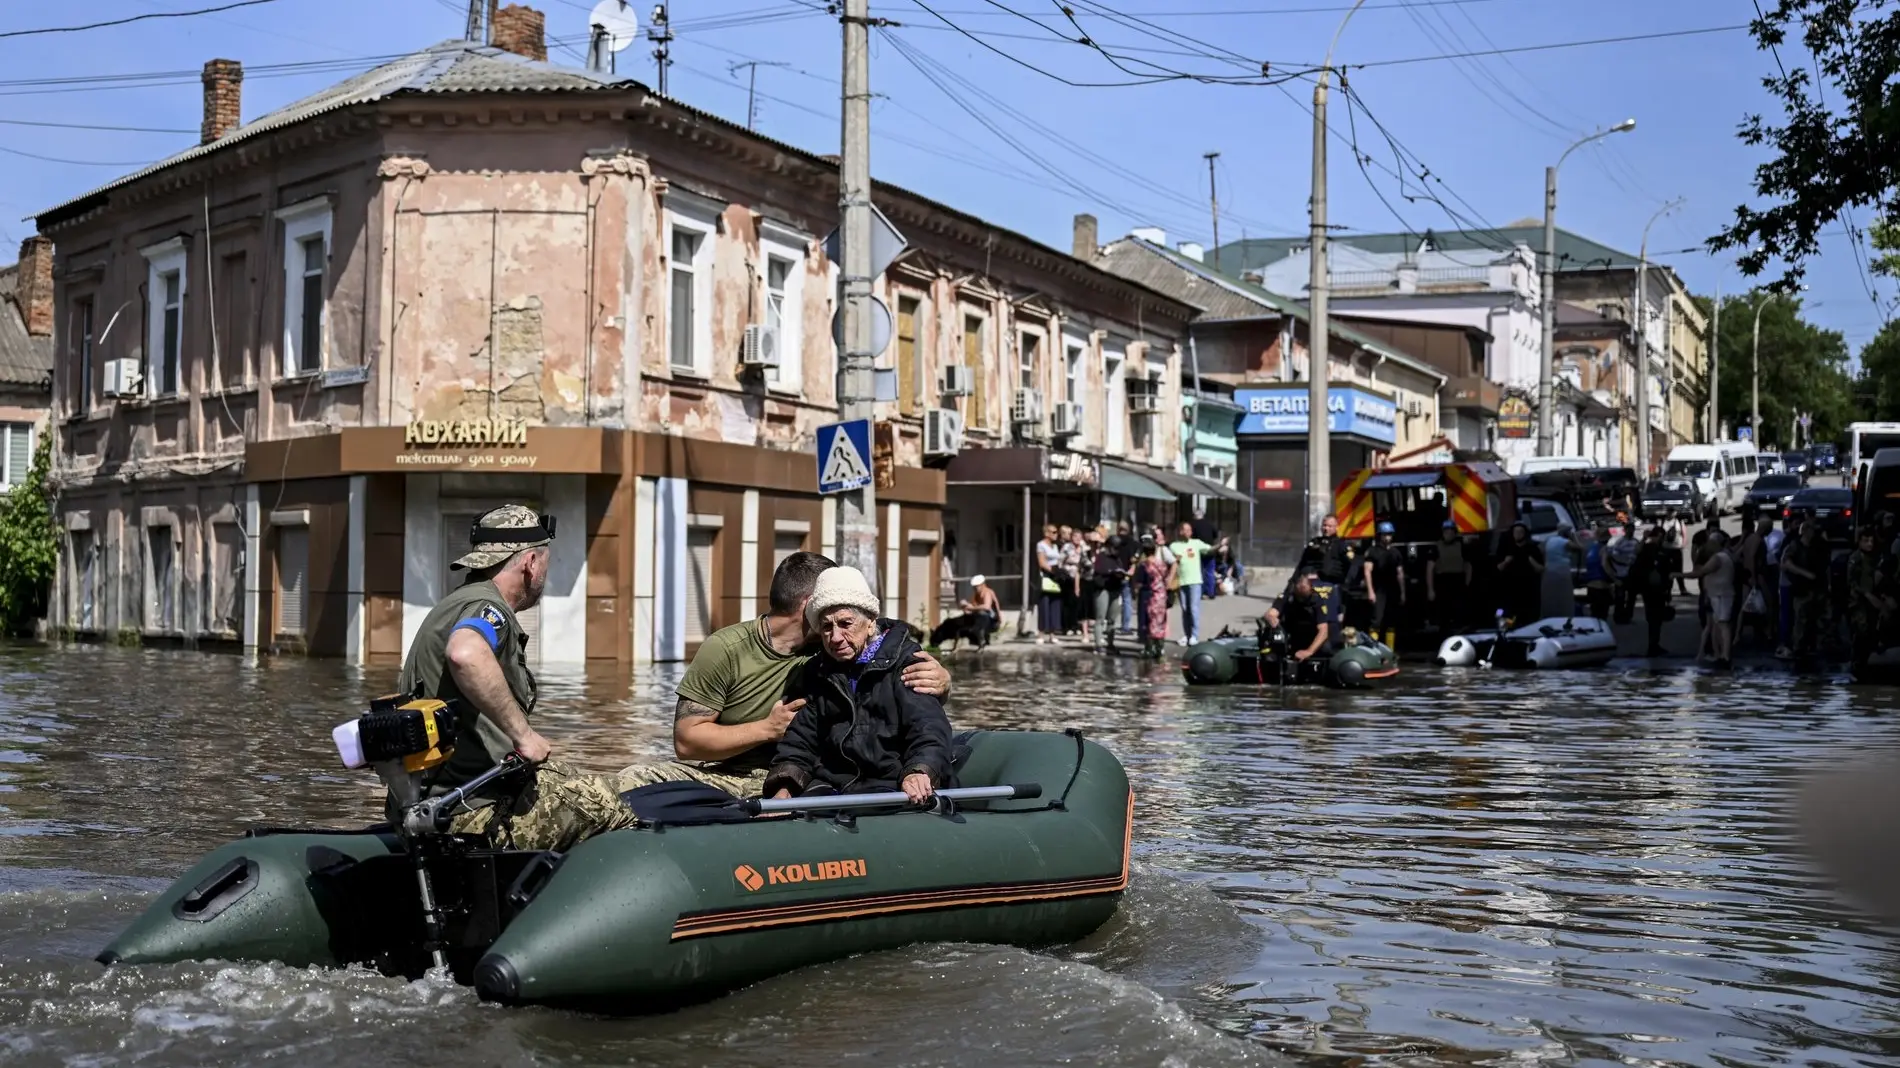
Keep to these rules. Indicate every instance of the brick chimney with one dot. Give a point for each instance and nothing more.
(34, 288)
(521, 30)
(224, 82)
(1086, 245)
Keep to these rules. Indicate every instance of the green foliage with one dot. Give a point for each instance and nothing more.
(1803, 369)
(1878, 390)
(29, 546)
(1838, 142)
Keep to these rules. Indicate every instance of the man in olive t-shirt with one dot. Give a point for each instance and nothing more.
(733, 706)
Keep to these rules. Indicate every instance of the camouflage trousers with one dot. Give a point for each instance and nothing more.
(740, 784)
(562, 808)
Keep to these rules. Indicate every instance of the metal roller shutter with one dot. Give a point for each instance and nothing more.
(293, 580)
(699, 584)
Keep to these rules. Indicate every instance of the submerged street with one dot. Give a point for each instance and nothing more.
(1463, 868)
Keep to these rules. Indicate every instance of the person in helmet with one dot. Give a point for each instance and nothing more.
(1384, 570)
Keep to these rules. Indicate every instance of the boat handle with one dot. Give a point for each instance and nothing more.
(831, 802)
(217, 891)
(521, 893)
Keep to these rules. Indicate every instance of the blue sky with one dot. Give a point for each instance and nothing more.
(1485, 127)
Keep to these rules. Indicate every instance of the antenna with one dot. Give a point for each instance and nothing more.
(613, 26)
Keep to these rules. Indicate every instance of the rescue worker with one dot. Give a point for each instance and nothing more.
(1384, 570)
(1807, 563)
(471, 650)
(1311, 618)
(1448, 579)
(1868, 606)
(1328, 557)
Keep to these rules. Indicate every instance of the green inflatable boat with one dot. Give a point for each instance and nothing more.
(1265, 659)
(652, 917)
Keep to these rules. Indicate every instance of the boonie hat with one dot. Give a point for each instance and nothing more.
(502, 532)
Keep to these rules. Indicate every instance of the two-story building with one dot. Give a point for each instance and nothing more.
(298, 358)
(26, 357)
(1248, 351)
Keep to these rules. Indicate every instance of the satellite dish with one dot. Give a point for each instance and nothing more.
(617, 18)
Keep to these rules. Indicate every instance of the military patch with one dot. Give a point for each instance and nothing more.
(491, 615)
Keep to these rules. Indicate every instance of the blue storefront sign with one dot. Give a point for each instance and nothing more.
(1282, 410)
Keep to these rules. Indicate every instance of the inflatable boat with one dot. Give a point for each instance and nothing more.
(1557, 642)
(1266, 659)
(655, 916)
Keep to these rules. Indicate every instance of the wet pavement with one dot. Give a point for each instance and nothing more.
(1461, 868)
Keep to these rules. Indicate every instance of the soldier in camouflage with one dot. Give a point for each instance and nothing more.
(1868, 605)
(471, 650)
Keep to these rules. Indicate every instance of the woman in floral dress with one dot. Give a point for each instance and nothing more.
(1151, 590)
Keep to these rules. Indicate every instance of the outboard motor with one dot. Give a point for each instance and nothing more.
(404, 738)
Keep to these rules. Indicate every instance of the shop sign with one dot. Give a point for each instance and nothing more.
(1515, 417)
(465, 432)
(1275, 485)
(1349, 410)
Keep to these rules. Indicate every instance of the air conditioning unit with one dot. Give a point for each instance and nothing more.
(759, 347)
(943, 432)
(124, 378)
(1026, 407)
(1065, 419)
(1414, 408)
(1145, 402)
(956, 380)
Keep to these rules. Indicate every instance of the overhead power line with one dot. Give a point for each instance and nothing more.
(90, 126)
(1550, 47)
(135, 18)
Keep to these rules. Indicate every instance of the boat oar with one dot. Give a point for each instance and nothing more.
(834, 802)
(1491, 655)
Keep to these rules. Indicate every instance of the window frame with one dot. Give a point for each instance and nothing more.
(302, 222)
(154, 594)
(82, 322)
(1115, 398)
(7, 430)
(976, 406)
(780, 242)
(912, 397)
(702, 221)
(161, 261)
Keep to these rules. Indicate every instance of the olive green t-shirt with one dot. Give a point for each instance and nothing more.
(737, 672)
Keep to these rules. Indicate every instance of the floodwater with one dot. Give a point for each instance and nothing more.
(1463, 869)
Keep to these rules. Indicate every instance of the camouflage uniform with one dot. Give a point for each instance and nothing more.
(561, 806)
(735, 782)
(1864, 619)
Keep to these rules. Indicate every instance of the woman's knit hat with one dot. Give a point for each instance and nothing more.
(840, 587)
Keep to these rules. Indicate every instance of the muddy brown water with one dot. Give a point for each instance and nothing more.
(1462, 869)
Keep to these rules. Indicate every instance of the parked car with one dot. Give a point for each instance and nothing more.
(1795, 462)
(1771, 492)
(1770, 463)
(1831, 506)
(1662, 494)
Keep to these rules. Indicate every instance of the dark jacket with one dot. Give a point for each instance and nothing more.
(863, 738)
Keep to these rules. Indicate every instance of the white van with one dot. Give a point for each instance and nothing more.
(1724, 472)
(1532, 465)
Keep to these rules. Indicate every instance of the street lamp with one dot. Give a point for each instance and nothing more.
(1319, 476)
(1547, 358)
(1642, 345)
(1754, 417)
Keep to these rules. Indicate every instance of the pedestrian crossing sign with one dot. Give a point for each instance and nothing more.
(844, 456)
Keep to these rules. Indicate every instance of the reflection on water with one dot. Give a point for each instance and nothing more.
(1464, 868)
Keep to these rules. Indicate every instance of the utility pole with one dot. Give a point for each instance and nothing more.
(1642, 347)
(475, 9)
(488, 32)
(857, 509)
(1319, 438)
(1213, 200)
(1715, 355)
(661, 34)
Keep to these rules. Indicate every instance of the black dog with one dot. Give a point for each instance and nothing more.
(972, 627)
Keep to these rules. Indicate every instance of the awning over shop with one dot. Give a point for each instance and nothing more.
(1126, 483)
(1403, 480)
(1190, 486)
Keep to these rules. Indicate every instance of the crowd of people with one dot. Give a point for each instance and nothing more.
(1109, 581)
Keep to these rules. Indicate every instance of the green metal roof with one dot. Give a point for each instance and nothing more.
(1574, 251)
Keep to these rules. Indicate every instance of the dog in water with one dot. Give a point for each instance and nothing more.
(972, 627)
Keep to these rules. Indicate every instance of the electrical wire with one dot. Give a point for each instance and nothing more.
(1661, 35)
(88, 126)
(75, 162)
(134, 18)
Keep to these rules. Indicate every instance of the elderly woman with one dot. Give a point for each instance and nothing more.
(862, 730)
